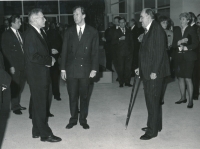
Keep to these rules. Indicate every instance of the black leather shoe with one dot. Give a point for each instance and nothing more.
(22, 108)
(190, 106)
(58, 98)
(121, 85)
(162, 103)
(50, 115)
(144, 129)
(128, 84)
(51, 138)
(69, 126)
(85, 126)
(30, 116)
(18, 112)
(181, 101)
(145, 137)
(117, 79)
(35, 136)
(195, 98)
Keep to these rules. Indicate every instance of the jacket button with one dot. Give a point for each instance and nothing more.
(81, 58)
(81, 65)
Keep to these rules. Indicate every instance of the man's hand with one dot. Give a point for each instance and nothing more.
(12, 70)
(137, 71)
(140, 37)
(63, 75)
(3, 88)
(93, 74)
(153, 76)
(54, 51)
(122, 38)
(53, 61)
(104, 39)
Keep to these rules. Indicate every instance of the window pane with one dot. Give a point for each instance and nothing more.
(163, 3)
(48, 7)
(149, 3)
(138, 5)
(12, 7)
(67, 6)
(67, 20)
(122, 6)
(164, 12)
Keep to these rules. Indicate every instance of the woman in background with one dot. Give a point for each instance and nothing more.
(185, 40)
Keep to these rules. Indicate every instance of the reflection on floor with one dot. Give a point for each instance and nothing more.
(107, 115)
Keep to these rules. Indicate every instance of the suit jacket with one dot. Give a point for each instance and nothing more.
(153, 55)
(12, 50)
(122, 47)
(36, 58)
(192, 44)
(108, 39)
(78, 58)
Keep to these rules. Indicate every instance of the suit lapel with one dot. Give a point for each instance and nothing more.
(145, 39)
(13, 35)
(41, 38)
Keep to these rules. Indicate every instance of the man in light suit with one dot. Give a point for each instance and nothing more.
(12, 47)
(38, 63)
(79, 63)
(153, 67)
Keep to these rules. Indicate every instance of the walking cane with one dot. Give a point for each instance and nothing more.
(132, 100)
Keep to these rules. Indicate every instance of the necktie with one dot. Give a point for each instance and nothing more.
(79, 34)
(19, 39)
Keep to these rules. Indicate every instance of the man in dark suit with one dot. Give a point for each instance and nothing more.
(153, 67)
(136, 44)
(55, 43)
(107, 47)
(79, 63)
(123, 45)
(38, 63)
(195, 76)
(12, 46)
(5, 79)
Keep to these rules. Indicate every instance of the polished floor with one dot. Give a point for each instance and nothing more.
(107, 115)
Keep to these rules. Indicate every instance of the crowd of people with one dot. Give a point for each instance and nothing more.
(44, 51)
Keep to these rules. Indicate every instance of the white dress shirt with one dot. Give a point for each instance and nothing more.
(82, 28)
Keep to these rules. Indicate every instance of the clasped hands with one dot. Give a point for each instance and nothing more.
(182, 47)
(64, 75)
(152, 75)
(122, 38)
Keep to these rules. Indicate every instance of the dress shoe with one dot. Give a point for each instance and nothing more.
(144, 129)
(162, 103)
(117, 79)
(58, 98)
(190, 106)
(121, 85)
(51, 138)
(22, 108)
(70, 125)
(195, 98)
(35, 136)
(181, 101)
(50, 115)
(18, 112)
(30, 116)
(85, 126)
(145, 137)
(128, 84)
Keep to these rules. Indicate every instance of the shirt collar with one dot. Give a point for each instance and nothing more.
(38, 30)
(192, 24)
(132, 27)
(148, 26)
(82, 28)
(14, 30)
